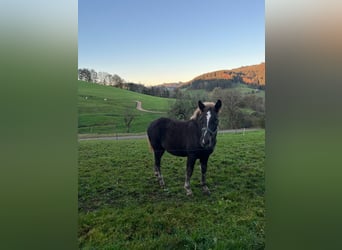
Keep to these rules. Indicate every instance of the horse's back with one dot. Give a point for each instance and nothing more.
(158, 126)
(163, 126)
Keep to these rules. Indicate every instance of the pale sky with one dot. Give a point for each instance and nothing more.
(158, 41)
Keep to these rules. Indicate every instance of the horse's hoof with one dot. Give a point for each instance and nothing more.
(188, 192)
(206, 190)
(162, 183)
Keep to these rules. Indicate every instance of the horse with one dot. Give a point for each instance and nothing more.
(194, 139)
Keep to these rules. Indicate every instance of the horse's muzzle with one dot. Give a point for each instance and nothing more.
(206, 142)
(207, 138)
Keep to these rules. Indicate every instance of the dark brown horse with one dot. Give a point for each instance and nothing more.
(195, 139)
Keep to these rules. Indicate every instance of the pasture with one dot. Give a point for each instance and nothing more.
(101, 109)
(121, 205)
(243, 89)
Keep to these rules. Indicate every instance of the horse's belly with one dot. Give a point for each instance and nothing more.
(177, 152)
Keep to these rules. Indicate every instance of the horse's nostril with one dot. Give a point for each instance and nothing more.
(205, 143)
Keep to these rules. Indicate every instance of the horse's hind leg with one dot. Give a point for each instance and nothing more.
(157, 158)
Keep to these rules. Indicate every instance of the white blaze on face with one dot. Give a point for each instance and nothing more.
(208, 118)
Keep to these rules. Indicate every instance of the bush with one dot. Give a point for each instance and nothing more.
(182, 109)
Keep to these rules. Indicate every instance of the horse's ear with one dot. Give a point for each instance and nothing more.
(201, 105)
(218, 105)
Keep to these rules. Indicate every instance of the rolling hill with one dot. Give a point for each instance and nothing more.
(101, 109)
(250, 75)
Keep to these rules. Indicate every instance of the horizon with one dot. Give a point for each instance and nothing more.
(175, 82)
(155, 42)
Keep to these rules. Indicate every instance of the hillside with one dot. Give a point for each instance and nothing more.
(251, 75)
(101, 109)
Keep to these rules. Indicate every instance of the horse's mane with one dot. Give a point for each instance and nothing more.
(197, 112)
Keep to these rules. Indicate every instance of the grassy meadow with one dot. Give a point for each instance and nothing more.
(101, 109)
(243, 89)
(121, 205)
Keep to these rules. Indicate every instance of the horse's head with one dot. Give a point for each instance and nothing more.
(208, 122)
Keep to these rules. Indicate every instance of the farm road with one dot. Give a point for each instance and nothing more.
(139, 107)
(128, 137)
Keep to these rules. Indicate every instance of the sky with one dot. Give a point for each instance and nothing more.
(161, 41)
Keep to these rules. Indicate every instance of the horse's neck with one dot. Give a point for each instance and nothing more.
(195, 125)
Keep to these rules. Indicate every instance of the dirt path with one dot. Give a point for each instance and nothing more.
(139, 107)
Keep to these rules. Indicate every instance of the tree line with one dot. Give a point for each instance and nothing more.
(210, 85)
(104, 78)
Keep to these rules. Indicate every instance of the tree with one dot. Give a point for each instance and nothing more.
(177, 93)
(253, 102)
(182, 109)
(117, 81)
(101, 77)
(217, 93)
(93, 76)
(185, 106)
(232, 101)
(84, 75)
(128, 118)
(232, 117)
(107, 79)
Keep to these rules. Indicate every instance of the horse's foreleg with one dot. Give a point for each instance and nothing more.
(157, 172)
(205, 188)
(189, 169)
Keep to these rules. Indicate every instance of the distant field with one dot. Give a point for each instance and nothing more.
(245, 89)
(121, 205)
(242, 88)
(101, 109)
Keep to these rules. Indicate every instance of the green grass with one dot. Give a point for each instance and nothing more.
(121, 205)
(195, 92)
(96, 115)
(244, 89)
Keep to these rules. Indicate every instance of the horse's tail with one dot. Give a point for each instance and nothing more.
(149, 144)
